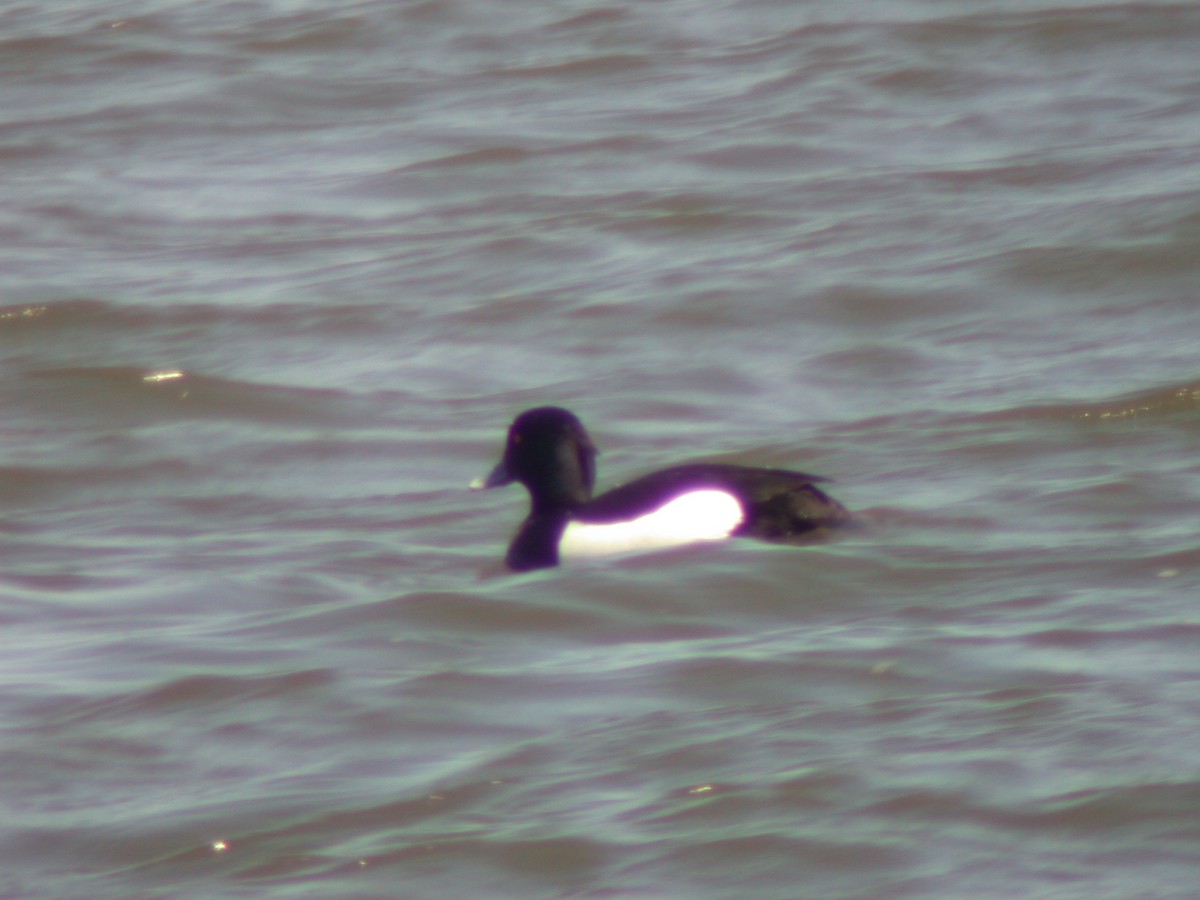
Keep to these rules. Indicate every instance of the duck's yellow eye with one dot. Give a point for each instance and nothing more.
(517, 439)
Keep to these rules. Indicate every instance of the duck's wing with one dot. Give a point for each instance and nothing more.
(777, 502)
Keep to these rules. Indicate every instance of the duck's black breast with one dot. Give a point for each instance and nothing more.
(535, 545)
(775, 502)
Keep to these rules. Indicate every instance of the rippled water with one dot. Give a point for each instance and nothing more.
(275, 277)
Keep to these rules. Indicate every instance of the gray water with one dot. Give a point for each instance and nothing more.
(274, 278)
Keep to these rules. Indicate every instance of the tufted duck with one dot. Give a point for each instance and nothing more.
(549, 451)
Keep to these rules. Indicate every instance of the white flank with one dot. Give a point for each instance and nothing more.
(698, 516)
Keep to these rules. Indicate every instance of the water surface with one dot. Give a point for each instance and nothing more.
(276, 275)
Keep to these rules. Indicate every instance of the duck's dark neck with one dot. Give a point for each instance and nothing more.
(536, 543)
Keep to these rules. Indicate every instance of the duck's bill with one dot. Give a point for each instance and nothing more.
(497, 478)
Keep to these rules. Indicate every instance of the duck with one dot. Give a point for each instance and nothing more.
(548, 450)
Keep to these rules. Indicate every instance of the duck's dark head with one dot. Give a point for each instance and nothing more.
(549, 451)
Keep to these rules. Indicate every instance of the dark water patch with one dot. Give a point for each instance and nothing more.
(872, 362)
(439, 861)
(599, 17)
(129, 394)
(486, 156)
(1168, 401)
(1161, 811)
(1146, 824)
(1086, 268)
(190, 693)
(853, 306)
(203, 690)
(1058, 30)
(60, 317)
(1162, 636)
(685, 215)
(618, 65)
(761, 863)
(25, 486)
(543, 614)
(731, 680)
(304, 33)
(1173, 404)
